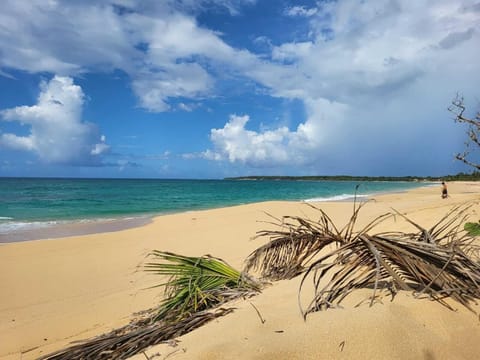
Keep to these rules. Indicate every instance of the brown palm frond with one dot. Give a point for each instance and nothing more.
(446, 228)
(133, 339)
(291, 248)
(437, 263)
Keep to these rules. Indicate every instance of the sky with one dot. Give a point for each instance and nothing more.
(220, 88)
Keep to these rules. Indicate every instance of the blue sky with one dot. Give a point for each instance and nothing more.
(216, 88)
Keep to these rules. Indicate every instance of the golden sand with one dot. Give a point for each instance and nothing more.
(57, 291)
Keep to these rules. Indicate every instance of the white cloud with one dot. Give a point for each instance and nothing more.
(369, 67)
(280, 146)
(372, 46)
(386, 68)
(100, 147)
(186, 107)
(57, 133)
(233, 6)
(35, 35)
(165, 52)
(292, 51)
(257, 149)
(16, 142)
(300, 11)
(180, 80)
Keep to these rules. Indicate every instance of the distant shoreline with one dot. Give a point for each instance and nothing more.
(458, 177)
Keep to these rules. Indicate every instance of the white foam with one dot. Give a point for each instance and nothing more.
(5, 218)
(12, 226)
(9, 226)
(341, 197)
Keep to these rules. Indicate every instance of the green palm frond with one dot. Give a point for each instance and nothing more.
(197, 283)
(195, 289)
(472, 228)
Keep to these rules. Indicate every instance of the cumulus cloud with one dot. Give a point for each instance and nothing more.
(278, 146)
(384, 68)
(360, 67)
(151, 41)
(31, 41)
(372, 47)
(57, 133)
(182, 80)
(236, 143)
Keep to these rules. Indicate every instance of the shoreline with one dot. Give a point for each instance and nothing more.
(74, 228)
(78, 287)
(51, 229)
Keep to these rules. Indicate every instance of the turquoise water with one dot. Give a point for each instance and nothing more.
(30, 202)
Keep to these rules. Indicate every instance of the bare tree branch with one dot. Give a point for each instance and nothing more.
(458, 108)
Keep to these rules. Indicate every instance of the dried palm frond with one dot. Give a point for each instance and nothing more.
(285, 256)
(440, 262)
(392, 263)
(197, 283)
(133, 339)
(292, 248)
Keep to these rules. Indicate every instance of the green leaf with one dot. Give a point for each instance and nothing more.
(196, 283)
(473, 229)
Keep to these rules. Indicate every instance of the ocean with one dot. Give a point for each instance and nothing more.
(39, 203)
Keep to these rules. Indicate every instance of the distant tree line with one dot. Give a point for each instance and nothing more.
(472, 144)
(474, 176)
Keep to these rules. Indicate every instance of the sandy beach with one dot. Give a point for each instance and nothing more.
(55, 291)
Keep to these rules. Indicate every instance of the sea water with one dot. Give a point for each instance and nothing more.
(35, 203)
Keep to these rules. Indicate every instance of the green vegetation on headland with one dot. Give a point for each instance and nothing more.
(475, 176)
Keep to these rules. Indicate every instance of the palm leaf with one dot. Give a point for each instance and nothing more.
(290, 249)
(436, 263)
(472, 228)
(134, 338)
(195, 288)
(197, 283)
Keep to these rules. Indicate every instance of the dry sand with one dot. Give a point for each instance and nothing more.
(61, 290)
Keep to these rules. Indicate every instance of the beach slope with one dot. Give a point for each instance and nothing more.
(63, 290)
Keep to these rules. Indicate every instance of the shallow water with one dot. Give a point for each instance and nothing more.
(30, 206)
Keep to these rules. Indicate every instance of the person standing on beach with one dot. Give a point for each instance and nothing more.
(444, 190)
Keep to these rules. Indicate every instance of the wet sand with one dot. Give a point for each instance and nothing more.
(74, 229)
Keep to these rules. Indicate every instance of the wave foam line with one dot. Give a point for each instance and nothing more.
(341, 197)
